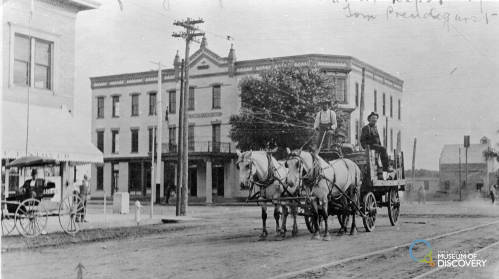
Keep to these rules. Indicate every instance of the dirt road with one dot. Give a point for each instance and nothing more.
(225, 245)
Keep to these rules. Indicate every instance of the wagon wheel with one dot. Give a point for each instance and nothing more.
(393, 206)
(70, 211)
(31, 217)
(8, 222)
(307, 214)
(369, 212)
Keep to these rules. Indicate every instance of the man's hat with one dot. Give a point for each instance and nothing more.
(372, 114)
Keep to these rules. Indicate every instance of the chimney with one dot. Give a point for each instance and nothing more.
(176, 66)
(232, 61)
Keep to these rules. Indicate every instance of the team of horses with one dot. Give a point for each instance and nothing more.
(302, 174)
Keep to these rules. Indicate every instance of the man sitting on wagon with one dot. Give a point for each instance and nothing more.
(370, 138)
(30, 186)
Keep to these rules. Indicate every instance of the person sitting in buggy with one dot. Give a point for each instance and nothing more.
(31, 186)
(325, 124)
(370, 138)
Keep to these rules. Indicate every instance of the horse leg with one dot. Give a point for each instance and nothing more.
(276, 217)
(315, 220)
(285, 213)
(264, 222)
(355, 198)
(326, 236)
(294, 212)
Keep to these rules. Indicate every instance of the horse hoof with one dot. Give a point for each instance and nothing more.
(316, 237)
(326, 238)
(294, 233)
(353, 232)
(340, 233)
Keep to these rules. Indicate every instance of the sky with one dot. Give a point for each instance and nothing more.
(446, 52)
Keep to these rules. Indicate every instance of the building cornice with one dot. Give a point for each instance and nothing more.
(338, 63)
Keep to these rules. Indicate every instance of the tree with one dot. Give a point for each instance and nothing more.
(279, 106)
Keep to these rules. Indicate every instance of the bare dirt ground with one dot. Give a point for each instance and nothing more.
(224, 244)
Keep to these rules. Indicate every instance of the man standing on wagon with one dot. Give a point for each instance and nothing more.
(370, 137)
(325, 123)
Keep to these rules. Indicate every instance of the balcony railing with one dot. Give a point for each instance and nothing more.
(201, 146)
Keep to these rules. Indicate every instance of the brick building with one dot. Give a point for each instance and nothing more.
(124, 116)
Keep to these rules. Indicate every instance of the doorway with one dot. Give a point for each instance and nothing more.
(217, 179)
(193, 182)
(114, 178)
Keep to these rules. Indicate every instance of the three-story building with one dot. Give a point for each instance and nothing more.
(124, 116)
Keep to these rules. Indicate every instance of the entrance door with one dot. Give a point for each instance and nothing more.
(193, 182)
(114, 178)
(218, 181)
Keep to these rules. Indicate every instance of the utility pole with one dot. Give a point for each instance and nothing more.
(414, 165)
(179, 155)
(152, 170)
(189, 35)
(466, 146)
(361, 110)
(459, 183)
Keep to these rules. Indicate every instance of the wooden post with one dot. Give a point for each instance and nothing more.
(414, 164)
(180, 143)
(361, 113)
(459, 183)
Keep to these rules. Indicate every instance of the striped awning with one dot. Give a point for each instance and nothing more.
(52, 134)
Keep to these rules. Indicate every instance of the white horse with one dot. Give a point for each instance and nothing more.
(265, 176)
(320, 177)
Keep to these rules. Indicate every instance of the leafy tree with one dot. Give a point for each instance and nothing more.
(279, 106)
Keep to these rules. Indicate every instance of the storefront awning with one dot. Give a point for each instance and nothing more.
(52, 134)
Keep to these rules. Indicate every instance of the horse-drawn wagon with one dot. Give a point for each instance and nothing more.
(347, 184)
(28, 208)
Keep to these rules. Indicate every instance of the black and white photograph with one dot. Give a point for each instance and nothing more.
(284, 139)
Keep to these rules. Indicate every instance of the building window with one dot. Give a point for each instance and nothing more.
(135, 105)
(385, 137)
(391, 139)
(215, 137)
(216, 97)
(191, 99)
(375, 101)
(116, 106)
(172, 139)
(100, 107)
(190, 137)
(356, 132)
(339, 92)
(135, 140)
(391, 106)
(115, 141)
(356, 94)
(152, 103)
(151, 132)
(100, 178)
(24, 47)
(384, 102)
(100, 140)
(134, 177)
(399, 111)
(172, 101)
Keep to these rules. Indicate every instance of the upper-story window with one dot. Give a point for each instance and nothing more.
(116, 106)
(356, 94)
(384, 104)
(375, 101)
(172, 101)
(115, 144)
(391, 106)
(135, 104)
(152, 103)
(339, 92)
(100, 107)
(400, 111)
(32, 62)
(191, 99)
(134, 140)
(216, 97)
(100, 140)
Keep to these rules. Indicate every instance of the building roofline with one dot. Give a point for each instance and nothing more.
(350, 62)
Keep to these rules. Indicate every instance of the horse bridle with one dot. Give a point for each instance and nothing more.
(303, 173)
(250, 172)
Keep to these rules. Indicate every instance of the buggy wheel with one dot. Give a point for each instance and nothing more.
(309, 223)
(369, 210)
(393, 206)
(8, 222)
(70, 213)
(31, 217)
